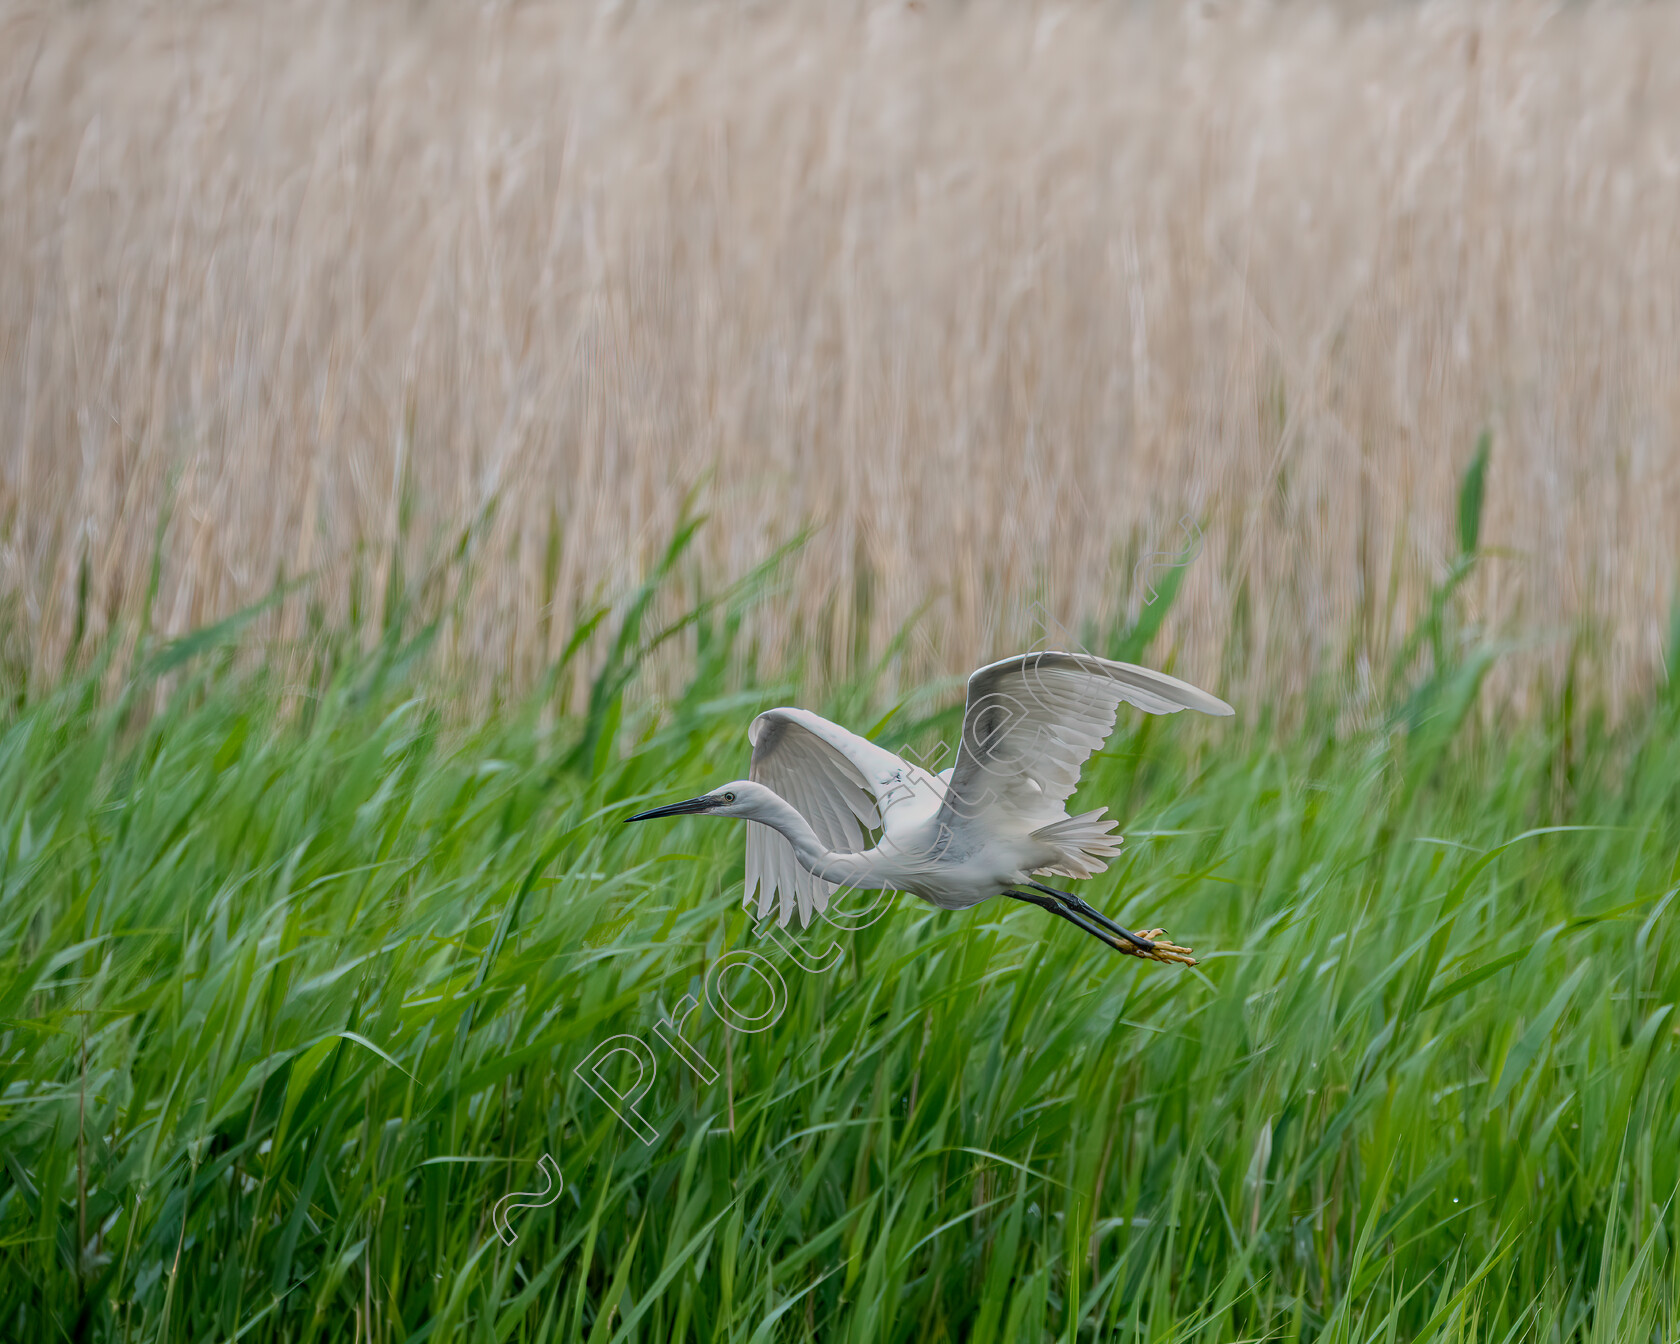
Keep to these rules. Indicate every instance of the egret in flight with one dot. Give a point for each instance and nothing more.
(982, 828)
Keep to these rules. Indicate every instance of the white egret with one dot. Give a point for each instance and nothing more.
(979, 829)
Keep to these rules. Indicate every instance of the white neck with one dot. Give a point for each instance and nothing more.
(844, 869)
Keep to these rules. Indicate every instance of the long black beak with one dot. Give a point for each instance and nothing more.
(701, 804)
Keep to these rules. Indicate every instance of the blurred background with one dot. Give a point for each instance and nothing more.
(430, 431)
(996, 299)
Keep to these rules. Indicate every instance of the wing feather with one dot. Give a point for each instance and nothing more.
(1032, 721)
(832, 777)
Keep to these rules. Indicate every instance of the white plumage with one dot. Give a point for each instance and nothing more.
(979, 829)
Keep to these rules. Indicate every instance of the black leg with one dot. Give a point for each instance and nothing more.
(1095, 916)
(1057, 908)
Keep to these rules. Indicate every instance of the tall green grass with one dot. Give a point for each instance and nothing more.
(298, 974)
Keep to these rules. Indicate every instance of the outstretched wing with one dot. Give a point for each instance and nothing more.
(834, 778)
(1031, 723)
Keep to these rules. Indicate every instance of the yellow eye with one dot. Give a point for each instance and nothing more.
(728, 797)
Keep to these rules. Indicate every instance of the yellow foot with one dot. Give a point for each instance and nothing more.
(1164, 951)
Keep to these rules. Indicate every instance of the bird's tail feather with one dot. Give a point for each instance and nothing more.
(1084, 842)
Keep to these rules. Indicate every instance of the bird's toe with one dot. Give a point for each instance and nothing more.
(1163, 951)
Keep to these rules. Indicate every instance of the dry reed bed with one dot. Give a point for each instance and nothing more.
(994, 294)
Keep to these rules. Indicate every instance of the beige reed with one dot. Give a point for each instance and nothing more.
(993, 294)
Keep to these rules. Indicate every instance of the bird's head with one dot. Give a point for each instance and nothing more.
(739, 798)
